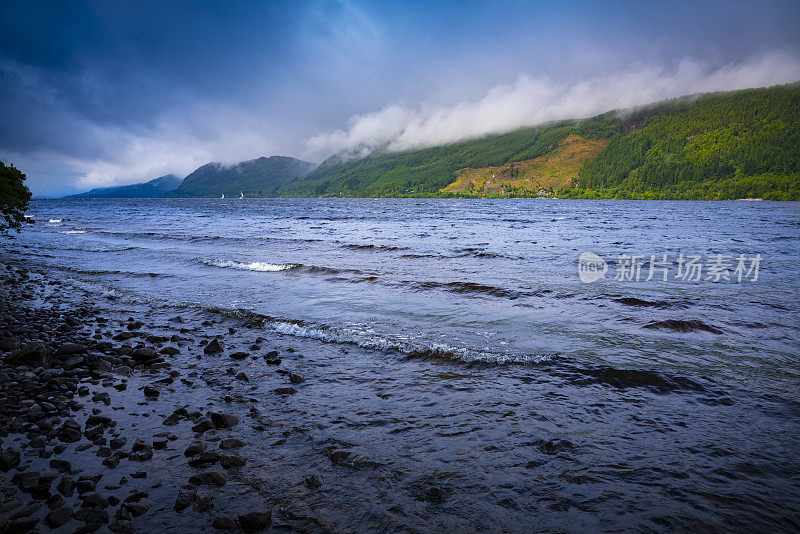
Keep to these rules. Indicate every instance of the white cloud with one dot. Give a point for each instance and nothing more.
(536, 100)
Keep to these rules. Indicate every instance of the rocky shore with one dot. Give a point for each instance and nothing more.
(95, 434)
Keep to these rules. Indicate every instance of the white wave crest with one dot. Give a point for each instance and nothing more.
(55, 220)
(251, 266)
(75, 232)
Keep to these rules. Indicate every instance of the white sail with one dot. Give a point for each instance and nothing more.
(223, 195)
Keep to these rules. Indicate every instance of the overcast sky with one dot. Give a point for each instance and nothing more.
(112, 92)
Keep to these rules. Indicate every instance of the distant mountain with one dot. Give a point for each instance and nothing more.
(259, 177)
(717, 146)
(152, 189)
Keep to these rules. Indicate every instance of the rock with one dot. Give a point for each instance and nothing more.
(239, 355)
(185, 497)
(58, 517)
(117, 443)
(222, 420)
(151, 393)
(144, 355)
(68, 349)
(60, 465)
(225, 522)
(202, 425)
(285, 391)
(228, 461)
(296, 379)
(65, 486)
(138, 508)
(31, 355)
(214, 347)
(209, 478)
(243, 377)
(122, 527)
(160, 444)
(204, 459)
(194, 448)
(99, 420)
(21, 524)
(314, 481)
(255, 521)
(135, 325)
(70, 431)
(94, 500)
(170, 351)
(172, 420)
(202, 502)
(9, 343)
(230, 443)
(9, 459)
(136, 496)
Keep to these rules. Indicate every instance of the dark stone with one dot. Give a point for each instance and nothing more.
(185, 497)
(68, 349)
(285, 391)
(32, 355)
(209, 478)
(202, 425)
(228, 461)
(202, 502)
(9, 459)
(223, 420)
(194, 448)
(214, 346)
(204, 459)
(151, 392)
(231, 443)
(122, 527)
(239, 355)
(144, 354)
(255, 521)
(225, 522)
(296, 379)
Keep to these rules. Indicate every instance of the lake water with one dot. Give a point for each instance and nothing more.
(529, 396)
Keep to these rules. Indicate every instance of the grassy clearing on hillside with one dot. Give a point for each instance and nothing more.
(541, 176)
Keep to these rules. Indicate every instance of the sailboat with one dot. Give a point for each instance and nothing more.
(223, 195)
(241, 193)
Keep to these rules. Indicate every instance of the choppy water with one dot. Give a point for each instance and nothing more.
(537, 399)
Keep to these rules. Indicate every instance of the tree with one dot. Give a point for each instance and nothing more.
(14, 197)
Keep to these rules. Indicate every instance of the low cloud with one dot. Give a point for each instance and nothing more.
(535, 100)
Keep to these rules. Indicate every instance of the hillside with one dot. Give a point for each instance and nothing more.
(740, 144)
(542, 176)
(259, 177)
(152, 189)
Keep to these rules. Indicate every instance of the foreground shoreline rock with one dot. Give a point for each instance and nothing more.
(72, 455)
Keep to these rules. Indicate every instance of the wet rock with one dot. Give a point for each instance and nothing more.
(22, 524)
(31, 355)
(122, 527)
(194, 448)
(202, 425)
(222, 420)
(170, 351)
(9, 343)
(255, 521)
(9, 459)
(214, 347)
(111, 462)
(160, 444)
(58, 517)
(239, 355)
(93, 500)
(296, 379)
(243, 377)
(209, 478)
(225, 522)
(144, 355)
(285, 391)
(204, 459)
(138, 508)
(99, 420)
(87, 484)
(172, 420)
(135, 325)
(230, 443)
(117, 443)
(202, 502)
(185, 497)
(314, 481)
(151, 393)
(228, 461)
(68, 349)
(65, 486)
(60, 465)
(136, 496)
(70, 431)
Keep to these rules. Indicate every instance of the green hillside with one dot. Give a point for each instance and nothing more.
(259, 177)
(152, 189)
(741, 144)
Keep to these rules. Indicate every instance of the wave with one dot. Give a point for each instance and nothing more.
(383, 248)
(468, 288)
(682, 325)
(251, 266)
(55, 220)
(75, 232)
(662, 304)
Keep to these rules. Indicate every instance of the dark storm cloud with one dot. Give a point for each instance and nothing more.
(95, 93)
